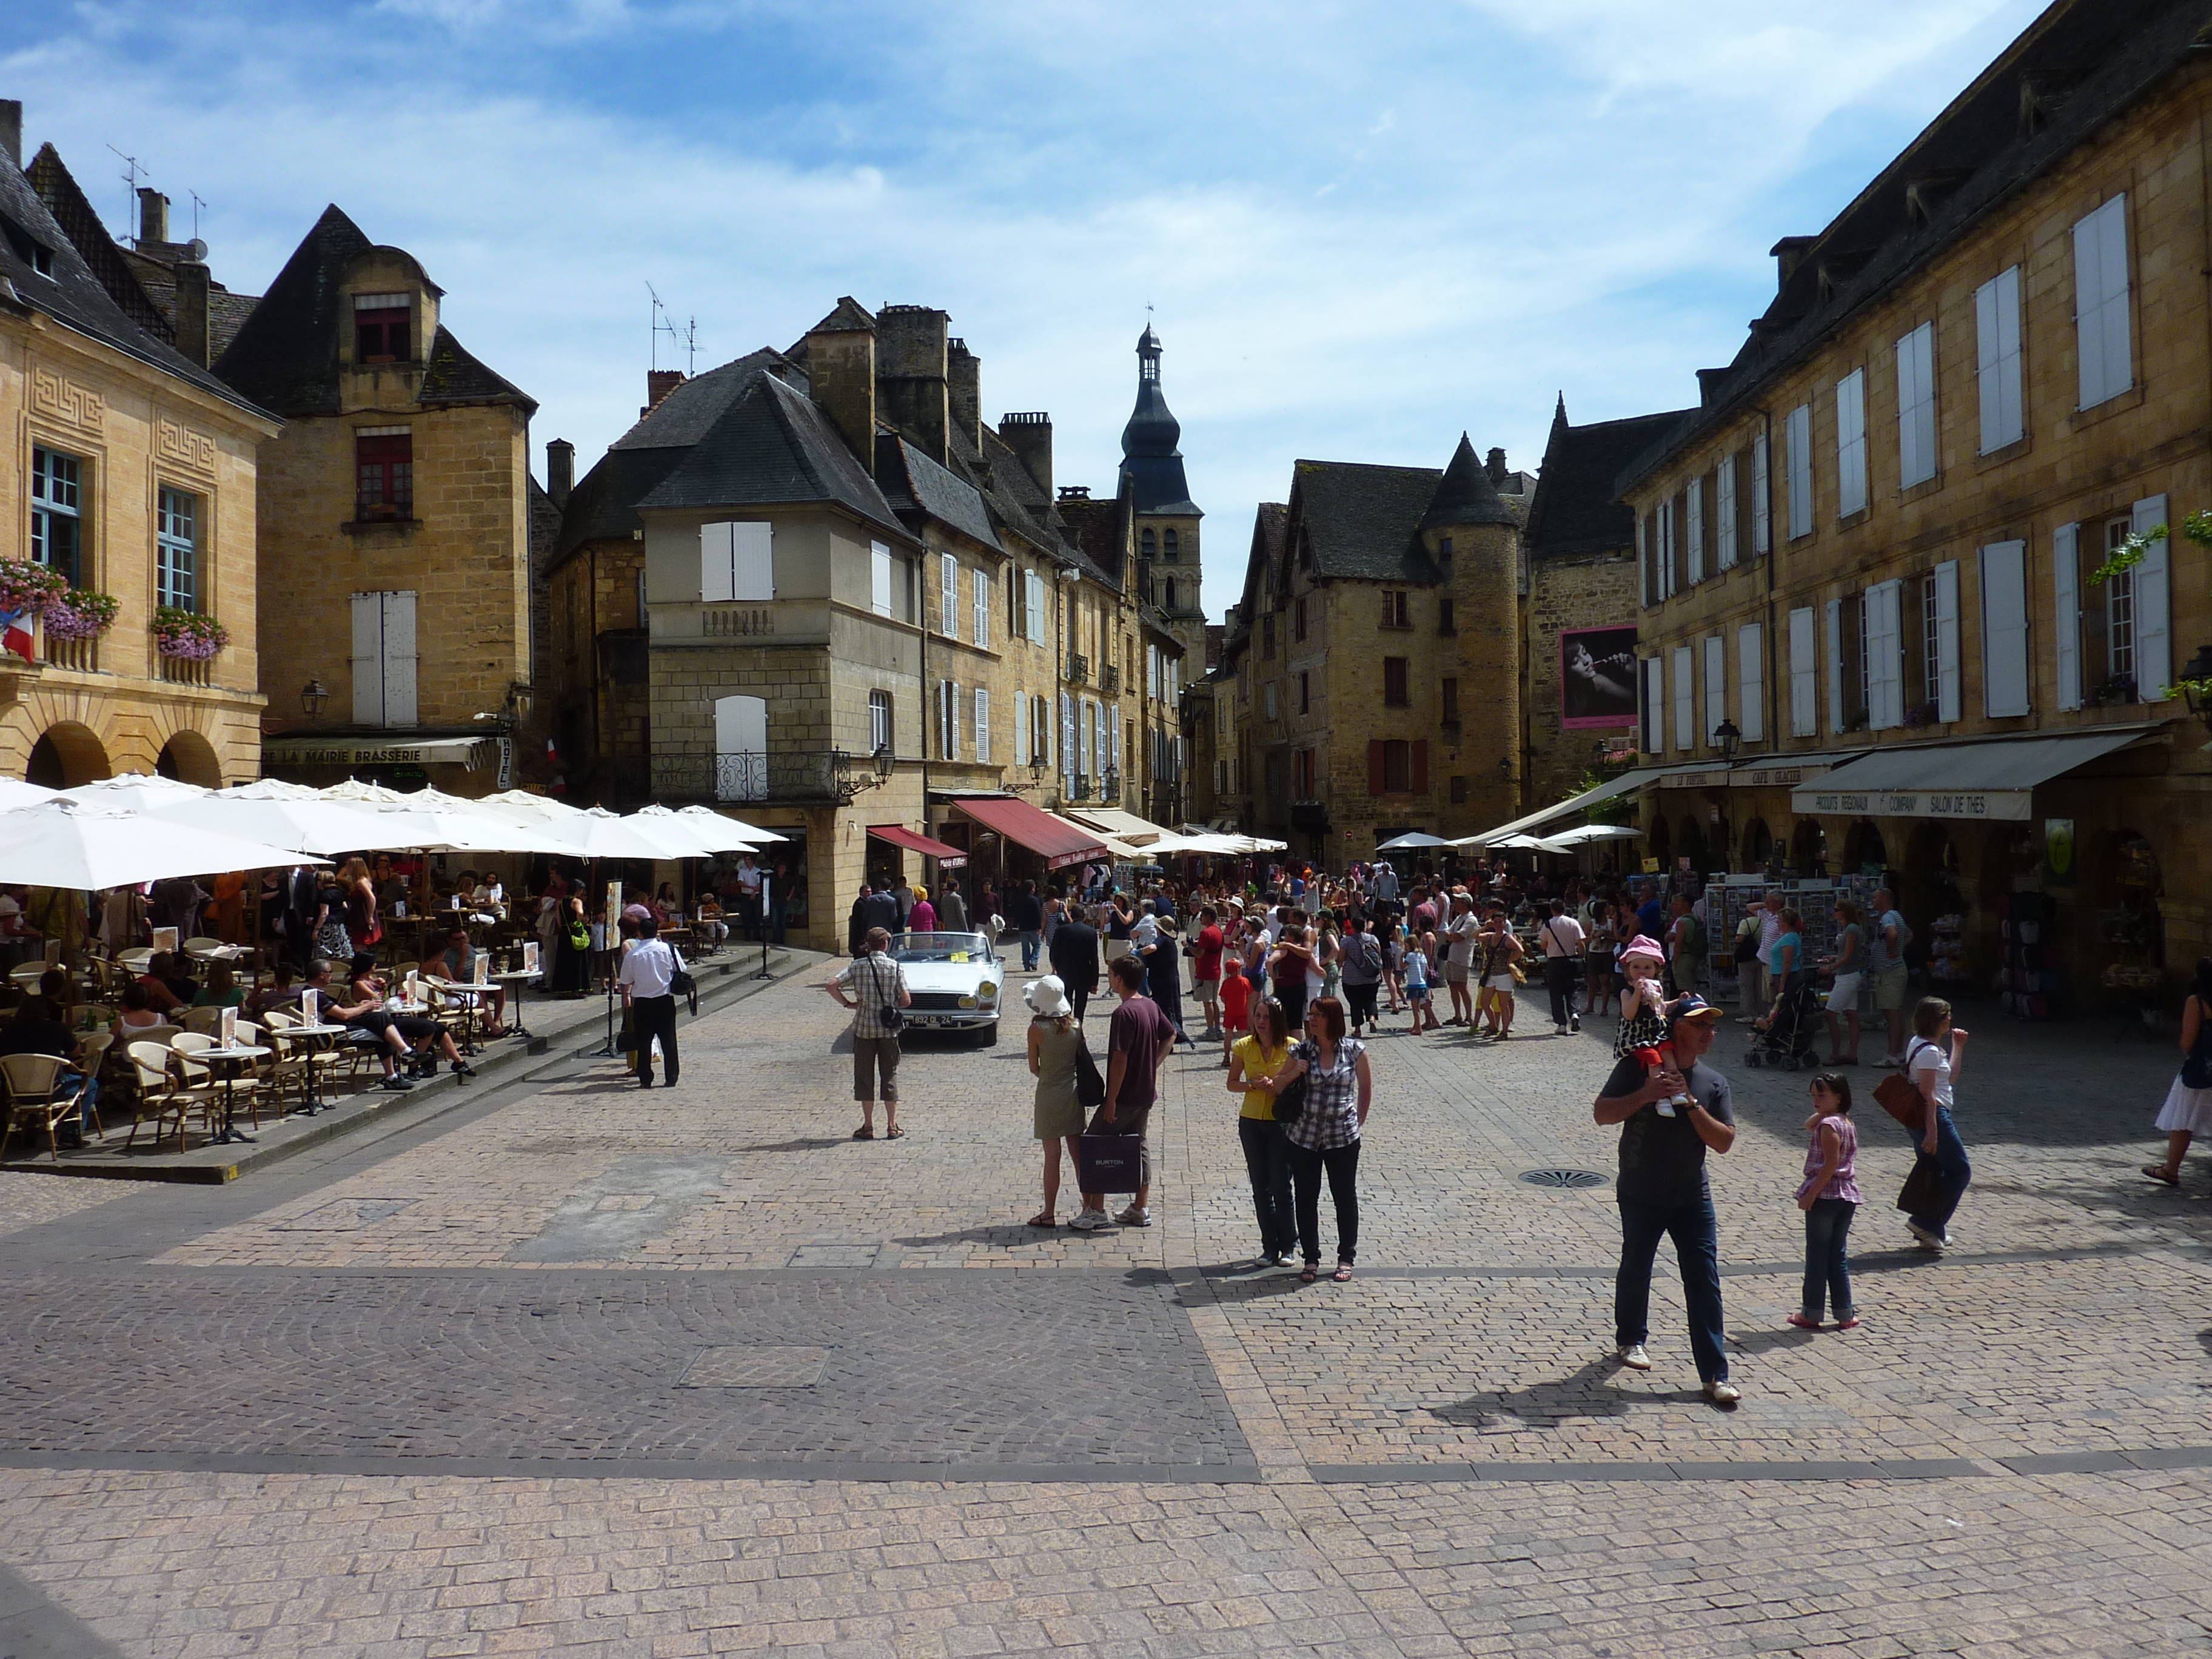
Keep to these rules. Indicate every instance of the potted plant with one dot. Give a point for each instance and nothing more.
(80, 614)
(29, 590)
(187, 635)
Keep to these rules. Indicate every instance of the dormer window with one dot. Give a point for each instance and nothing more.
(383, 328)
(42, 259)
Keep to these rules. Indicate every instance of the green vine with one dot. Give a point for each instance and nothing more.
(2197, 528)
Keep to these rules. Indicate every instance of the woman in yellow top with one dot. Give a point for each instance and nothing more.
(1253, 1062)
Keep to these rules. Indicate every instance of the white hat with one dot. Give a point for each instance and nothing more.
(1048, 997)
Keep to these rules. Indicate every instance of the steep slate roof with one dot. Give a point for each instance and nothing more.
(684, 416)
(1150, 459)
(603, 503)
(1576, 508)
(452, 376)
(912, 482)
(1363, 522)
(1466, 494)
(2078, 65)
(73, 295)
(773, 447)
(66, 201)
(1095, 534)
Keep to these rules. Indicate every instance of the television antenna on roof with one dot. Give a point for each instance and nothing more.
(130, 175)
(196, 205)
(664, 322)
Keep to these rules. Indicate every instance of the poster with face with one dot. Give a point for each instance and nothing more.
(1597, 678)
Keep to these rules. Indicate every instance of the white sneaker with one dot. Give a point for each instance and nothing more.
(1722, 1392)
(1575, 1024)
(1558, 1030)
(1090, 1221)
(1134, 1217)
(1929, 1240)
(1633, 1357)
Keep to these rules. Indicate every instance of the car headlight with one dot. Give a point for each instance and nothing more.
(987, 992)
(967, 1002)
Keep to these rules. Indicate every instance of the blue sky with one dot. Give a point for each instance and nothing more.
(1363, 228)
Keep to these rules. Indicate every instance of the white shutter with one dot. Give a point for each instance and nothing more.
(1654, 705)
(1851, 444)
(1068, 757)
(982, 724)
(1724, 512)
(1021, 750)
(1666, 549)
(1885, 649)
(1114, 740)
(1643, 569)
(2154, 605)
(1696, 531)
(1797, 436)
(948, 596)
(368, 659)
(1946, 688)
(1804, 676)
(1916, 406)
(1751, 683)
(1685, 698)
(2004, 628)
(2066, 621)
(1996, 355)
(2100, 302)
(752, 561)
(1762, 507)
(399, 674)
(1035, 598)
(740, 726)
(1836, 667)
(879, 578)
(981, 579)
(718, 572)
(1716, 684)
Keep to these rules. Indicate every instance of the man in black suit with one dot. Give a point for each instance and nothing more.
(883, 911)
(1075, 957)
(857, 924)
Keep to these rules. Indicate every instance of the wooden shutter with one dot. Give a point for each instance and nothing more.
(1946, 688)
(1751, 681)
(948, 596)
(1836, 667)
(752, 561)
(2004, 628)
(1035, 597)
(2066, 621)
(368, 659)
(1798, 432)
(982, 724)
(1421, 766)
(879, 578)
(1996, 358)
(1725, 514)
(1693, 527)
(1716, 684)
(1022, 750)
(1915, 406)
(2100, 302)
(1654, 705)
(1885, 649)
(1851, 444)
(717, 563)
(399, 659)
(1377, 770)
(2154, 605)
(1804, 676)
(982, 581)
(1762, 497)
(1685, 698)
(1643, 563)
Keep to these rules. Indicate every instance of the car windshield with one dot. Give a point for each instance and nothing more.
(941, 947)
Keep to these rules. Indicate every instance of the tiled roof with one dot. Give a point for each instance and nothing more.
(1363, 522)
(914, 483)
(1464, 494)
(66, 201)
(452, 377)
(683, 417)
(72, 295)
(1577, 507)
(1095, 531)
(773, 447)
(603, 506)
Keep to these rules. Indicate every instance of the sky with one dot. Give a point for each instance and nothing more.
(1361, 230)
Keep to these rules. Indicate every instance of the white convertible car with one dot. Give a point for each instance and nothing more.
(954, 979)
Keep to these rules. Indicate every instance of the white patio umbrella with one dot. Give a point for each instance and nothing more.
(1408, 841)
(1584, 834)
(446, 829)
(699, 834)
(70, 843)
(13, 794)
(135, 792)
(725, 824)
(311, 824)
(598, 833)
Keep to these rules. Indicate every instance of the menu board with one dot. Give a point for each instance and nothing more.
(484, 967)
(226, 1027)
(165, 938)
(530, 956)
(311, 1012)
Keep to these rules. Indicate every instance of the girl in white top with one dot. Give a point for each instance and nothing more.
(1933, 1061)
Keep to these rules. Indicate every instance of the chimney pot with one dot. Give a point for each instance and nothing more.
(192, 339)
(1497, 466)
(1789, 253)
(840, 377)
(658, 383)
(11, 129)
(1030, 436)
(153, 216)
(560, 470)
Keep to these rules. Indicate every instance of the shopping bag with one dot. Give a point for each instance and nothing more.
(1109, 1164)
(1922, 1189)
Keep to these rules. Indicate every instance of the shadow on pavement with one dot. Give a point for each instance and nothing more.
(1582, 1394)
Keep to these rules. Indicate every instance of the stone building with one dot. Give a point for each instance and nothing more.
(1377, 658)
(395, 520)
(130, 474)
(1916, 595)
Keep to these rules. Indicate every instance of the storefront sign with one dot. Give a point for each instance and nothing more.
(2011, 805)
(1774, 777)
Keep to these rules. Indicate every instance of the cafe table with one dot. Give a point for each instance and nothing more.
(229, 1059)
(518, 977)
(322, 1036)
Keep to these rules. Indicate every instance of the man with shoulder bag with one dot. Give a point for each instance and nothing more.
(648, 980)
(880, 993)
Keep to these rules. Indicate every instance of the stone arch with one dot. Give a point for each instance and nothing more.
(1658, 841)
(68, 753)
(189, 757)
(1690, 842)
(1808, 847)
(1758, 844)
(1863, 845)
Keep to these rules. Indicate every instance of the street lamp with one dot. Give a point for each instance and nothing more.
(312, 695)
(1728, 737)
(2196, 685)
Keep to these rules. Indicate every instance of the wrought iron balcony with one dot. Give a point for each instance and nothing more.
(821, 774)
(1109, 679)
(1109, 786)
(1078, 669)
(1309, 816)
(1078, 787)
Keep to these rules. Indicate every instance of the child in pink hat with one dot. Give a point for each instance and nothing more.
(1643, 1006)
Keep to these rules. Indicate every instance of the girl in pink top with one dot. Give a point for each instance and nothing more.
(1830, 1198)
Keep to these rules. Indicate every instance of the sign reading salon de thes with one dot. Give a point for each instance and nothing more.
(1994, 804)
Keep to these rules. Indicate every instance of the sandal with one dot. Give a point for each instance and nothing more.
(1041, 1219)
(1343, 1272)
(1310, 1274)
(1802, 1323)
(2158, 1172)
(894, 1133)
(864, 1133)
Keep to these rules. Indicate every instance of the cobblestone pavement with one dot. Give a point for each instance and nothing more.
(365, 1411)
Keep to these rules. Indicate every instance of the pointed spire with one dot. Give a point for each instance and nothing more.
(1560, 414)
(1464, 494)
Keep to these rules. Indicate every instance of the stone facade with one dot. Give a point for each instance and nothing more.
(1925, 422)
(1567, 595)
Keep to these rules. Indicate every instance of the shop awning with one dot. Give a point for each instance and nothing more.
(1124, 827)
(947, 856)
(474, 753)
(1055, 840)
(1995, 778)
(1626, 783)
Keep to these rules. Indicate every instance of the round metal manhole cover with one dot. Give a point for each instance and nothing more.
(1560, 1179)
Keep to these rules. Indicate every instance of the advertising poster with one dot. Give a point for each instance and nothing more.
(1597, 678)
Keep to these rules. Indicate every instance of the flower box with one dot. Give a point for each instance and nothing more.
(27, 589)
(80, 614)
(187, 636)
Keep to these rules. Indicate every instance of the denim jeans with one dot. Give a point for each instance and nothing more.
(1695, 1231)
(1030, 941)
(1267, 1161)
(1561, 975)
(1342, 1164)
(1827, 1273)
(1953, 1175)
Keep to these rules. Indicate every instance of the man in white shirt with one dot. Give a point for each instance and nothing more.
(1459, 954)
(748, 877)
(1562, 936)
(649, 992)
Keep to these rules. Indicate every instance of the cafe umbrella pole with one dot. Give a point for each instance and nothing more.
(766, 909)
(606, 1050)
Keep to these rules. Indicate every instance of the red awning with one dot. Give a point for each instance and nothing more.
(1055, 840)
(899, 836)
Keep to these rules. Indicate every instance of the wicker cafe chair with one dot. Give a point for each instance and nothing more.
(206, 1022)
(91, 1058)
(162, 1087)
(243, 1087)
(30, 1082)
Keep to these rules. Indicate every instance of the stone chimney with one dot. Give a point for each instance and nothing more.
(560, 470)
(912, 376)
(193, 342)
(1710, 382)
(658, 383)
(841, 376)
(1030, 436)
(1789, 253)
(964, 391)
(1495, 466)
(11, 131)
(153, 216)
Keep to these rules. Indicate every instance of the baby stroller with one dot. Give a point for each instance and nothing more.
(1789, 1044)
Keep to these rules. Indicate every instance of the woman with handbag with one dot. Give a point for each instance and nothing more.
(1253, 1062)
(2188, 1109)
(1324, 1135)
(572, 948)
(1932, 1063)
(1056, 1051)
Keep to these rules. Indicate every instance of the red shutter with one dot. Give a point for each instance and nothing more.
(1375, 768)
(1421, 766)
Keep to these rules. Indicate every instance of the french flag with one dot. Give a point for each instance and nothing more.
(16, 634)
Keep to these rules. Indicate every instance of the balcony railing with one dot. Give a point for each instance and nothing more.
(82, 656)
(1078, 669)
(1109, 679)
(182, 671)
(1109, 786)
(818, 775)
(1078, 787)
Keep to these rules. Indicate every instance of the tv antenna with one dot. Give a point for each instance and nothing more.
(664, 322)
(196, 205)
(132, 173)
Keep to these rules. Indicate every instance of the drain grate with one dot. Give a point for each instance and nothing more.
(1560, 1180)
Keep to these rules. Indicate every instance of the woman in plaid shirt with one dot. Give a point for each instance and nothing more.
(1340, 1088)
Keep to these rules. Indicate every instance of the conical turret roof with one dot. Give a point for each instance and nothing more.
(1464, 494)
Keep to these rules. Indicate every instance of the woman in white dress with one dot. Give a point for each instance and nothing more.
(2188, 1109)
